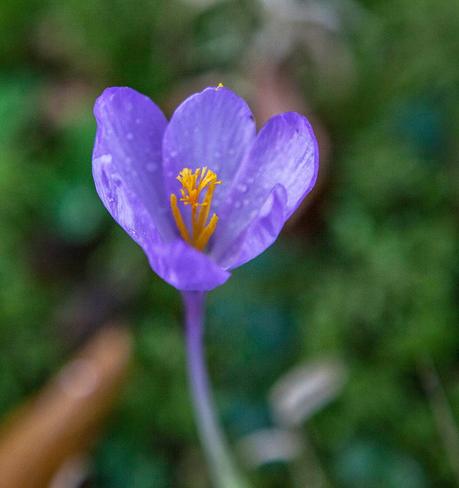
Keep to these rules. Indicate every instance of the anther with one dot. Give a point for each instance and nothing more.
(193, 184)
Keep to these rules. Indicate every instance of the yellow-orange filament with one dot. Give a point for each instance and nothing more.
(194, 183)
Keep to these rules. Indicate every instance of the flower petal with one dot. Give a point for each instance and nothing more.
(122, 202)
(261, 233)
(285, 152)
(185, 268)
(130, 129)
(174, 261)
(213, 128)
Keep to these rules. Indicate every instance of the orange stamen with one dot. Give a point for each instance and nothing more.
(179, 219)
(194, 183)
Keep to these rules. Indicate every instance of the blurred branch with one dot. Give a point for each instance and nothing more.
(443, 416)
(295, 398)
(62, 421)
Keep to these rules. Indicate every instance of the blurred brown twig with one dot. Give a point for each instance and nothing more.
(64, 418)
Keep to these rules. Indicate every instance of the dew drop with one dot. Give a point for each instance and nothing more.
(242, 187)
(151, 167)
(138, 120)
(129, 136)
(105, 159)
(237, 204)
(245, 202)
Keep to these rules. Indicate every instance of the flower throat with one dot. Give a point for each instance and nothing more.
(194, 183)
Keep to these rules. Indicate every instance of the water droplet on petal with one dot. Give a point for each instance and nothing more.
(151, 167)
(237, 204)
(105, 159)
(129, 136)
(242, 187)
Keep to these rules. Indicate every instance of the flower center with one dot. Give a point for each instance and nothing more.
(194, 183)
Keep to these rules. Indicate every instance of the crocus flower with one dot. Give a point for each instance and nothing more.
(203, 193)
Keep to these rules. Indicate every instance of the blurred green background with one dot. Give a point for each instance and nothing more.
(368, 273)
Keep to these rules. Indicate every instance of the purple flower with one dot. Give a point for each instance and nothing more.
(203, 193)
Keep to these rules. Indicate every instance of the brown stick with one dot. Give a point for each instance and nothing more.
(63, 419)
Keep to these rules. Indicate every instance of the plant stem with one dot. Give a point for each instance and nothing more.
(222, 469)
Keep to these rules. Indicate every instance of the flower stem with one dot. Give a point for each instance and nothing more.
(222, 469)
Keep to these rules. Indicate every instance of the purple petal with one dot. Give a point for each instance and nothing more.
(122, 202)
(285, 152)
(213, 128)
(185, 268)
(128, 149)
(261, 233)
(174, 261)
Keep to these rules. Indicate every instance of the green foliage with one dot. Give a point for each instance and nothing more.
(373, 280)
